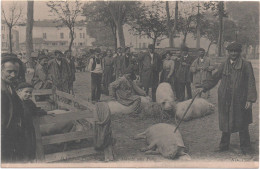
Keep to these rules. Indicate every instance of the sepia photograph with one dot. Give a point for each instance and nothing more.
(114, 84)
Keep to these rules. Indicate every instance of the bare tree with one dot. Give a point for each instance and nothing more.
(171, 29)
(67, 12)
(11, 19)
(29, 28)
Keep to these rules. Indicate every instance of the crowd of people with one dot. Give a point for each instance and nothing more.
(114, 74)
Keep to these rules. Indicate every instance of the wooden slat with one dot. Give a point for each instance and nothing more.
(60, 138)
(65, 95)
(81, 101)
(69, 154)
(65, 117)
(67, 106)
(42, 92)
(39, 146)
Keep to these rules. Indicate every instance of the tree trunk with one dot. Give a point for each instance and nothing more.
(221, 4)
(72, 39)
(254, 51)
(175, 19)
(10, 39)
(169, 25)
(154, 42)
(184, 38)
(113, 28)
(209, 48)
(29, 36)
(120, 33)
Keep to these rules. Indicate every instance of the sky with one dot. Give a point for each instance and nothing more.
(41, 10)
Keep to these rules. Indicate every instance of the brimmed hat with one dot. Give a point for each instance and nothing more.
(201, 49)
(41, 56)
(23, 85)
(234, 46)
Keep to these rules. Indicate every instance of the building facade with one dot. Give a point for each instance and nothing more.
(51, 35)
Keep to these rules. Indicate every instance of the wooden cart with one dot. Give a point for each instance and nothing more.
(63, 101)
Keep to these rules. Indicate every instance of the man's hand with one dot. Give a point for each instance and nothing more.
(248, 105)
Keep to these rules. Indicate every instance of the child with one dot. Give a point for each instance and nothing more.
(24, 91)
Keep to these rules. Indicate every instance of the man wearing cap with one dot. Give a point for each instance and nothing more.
(96, 69)
(201, 68)
(71, 62)
(11, 112)
(151, 66)
(59, 72)
(236, 93)
(39, 80)
(183, 74)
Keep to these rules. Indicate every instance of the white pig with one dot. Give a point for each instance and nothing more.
(161, 139)
(165, 97)
(199, 108)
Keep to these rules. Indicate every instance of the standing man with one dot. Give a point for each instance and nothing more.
(11, 112)
(59, 72)
(151, 66)
(118, 63)
(39, 80)
(126, 59)
(236, 93)
(95, 67)
(71, 62)
(183, 74)
(201, 69)
(108, 70)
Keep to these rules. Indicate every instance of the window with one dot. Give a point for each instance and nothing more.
(3, 36)
(62, 35)
(54, 44)
(80, 35)
(80, 44)
(83, 35)
(44, 36)
(62, 43)
(3, 28)
(144, 45)
(140, 45)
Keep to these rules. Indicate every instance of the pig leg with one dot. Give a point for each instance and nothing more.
(150, 147)
(152, 152)
(183, 155)
(140, 136)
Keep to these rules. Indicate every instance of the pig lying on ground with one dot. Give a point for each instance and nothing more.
(199, 108)
(117, 108)
(161, 139)
(165, 97)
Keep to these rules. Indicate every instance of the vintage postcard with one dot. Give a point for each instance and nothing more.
(155, 84)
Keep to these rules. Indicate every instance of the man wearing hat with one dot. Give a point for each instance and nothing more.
(96, 68)
(39, 80)
(201, 68)
(126, 59)
(71, 61)
(183, 74)
(236, 93)
(151, 66)
(59, 72)
(11, 111)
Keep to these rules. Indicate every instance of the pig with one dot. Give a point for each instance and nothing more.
(57, 128)
(165, 97)
(161, 139)
(199, 108)
(117, 108)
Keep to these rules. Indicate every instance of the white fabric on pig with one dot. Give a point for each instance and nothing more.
(199, 108)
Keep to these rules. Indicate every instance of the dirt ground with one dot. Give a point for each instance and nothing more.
(201, 136)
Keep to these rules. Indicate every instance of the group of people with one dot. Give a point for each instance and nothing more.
(117, 72)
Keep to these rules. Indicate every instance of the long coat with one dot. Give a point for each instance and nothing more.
(59, 74)
(200, 75)
(12, 131)
(183, 74)
(236, 88)
(150, 72)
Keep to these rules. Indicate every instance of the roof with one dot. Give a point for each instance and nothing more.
(52, 23)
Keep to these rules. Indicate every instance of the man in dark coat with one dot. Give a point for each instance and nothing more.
(118, 63)
(236, 93)
(126, 59)
(183, 74)
(151, 66)
(11, 112)
(71, 62)
(59, 72)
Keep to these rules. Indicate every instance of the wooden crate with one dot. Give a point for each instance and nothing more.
(72, 103)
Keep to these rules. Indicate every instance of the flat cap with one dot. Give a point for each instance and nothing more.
(23, 85)
(6, 57)
(58, 52)
(234, 46)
